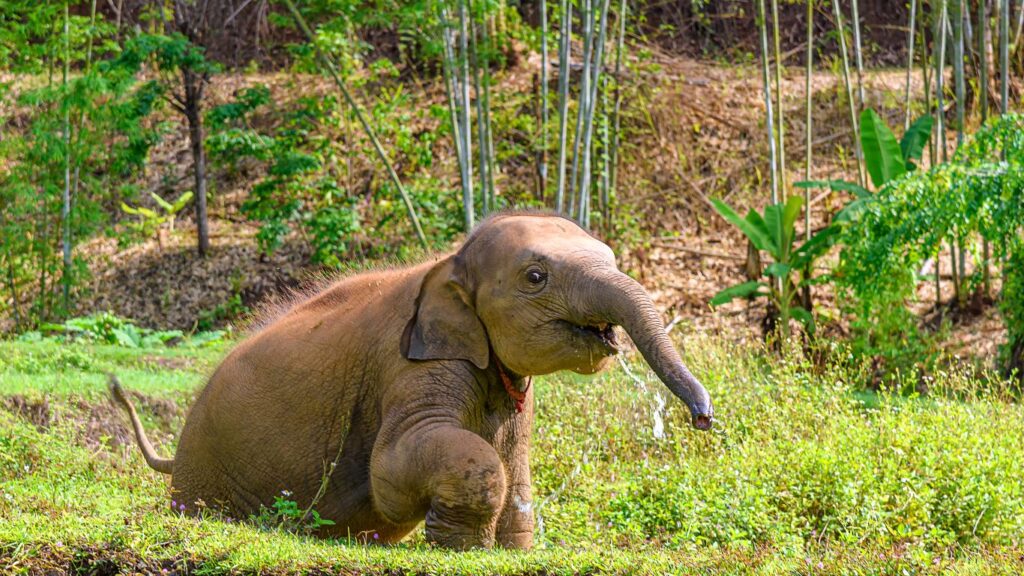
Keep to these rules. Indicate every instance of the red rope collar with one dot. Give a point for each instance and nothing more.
(518, 397)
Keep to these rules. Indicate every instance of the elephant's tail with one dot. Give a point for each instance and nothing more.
(163, 465)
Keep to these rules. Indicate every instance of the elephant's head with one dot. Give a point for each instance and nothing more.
(542, 295)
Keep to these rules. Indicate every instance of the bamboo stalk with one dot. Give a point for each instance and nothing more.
(605, 154)
(958, 78)
(854, 122)
(564, 60)
(780, 112)
(958, 69)
(65, 214)
(468, 202)
(1020, 24)
(586, 14)
(857, 52)
(616, 111)
(940, 65)
(809, 145)
(588, 128)
(769, 118)
(926, 69)
(326, 61)
(910, 61)
(983, 39)
(492, 165)
(452, 88)
(481, 132)
(1004, 55)
(543, 164)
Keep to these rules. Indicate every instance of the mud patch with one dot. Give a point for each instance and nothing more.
(107, 425)
(98, 425)
(173, 363)
(37, 412)
(57, 559)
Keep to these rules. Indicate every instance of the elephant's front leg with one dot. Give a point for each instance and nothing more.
(516, 523)
(454, 473)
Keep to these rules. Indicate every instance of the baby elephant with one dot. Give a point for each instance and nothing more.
(398, 395)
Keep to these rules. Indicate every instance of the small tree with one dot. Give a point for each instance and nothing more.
(184, 73)
(196, 39)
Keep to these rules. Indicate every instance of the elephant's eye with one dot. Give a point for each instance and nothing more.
(536, 277)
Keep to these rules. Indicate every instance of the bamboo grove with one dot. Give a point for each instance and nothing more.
(965, 201)
(580, 145)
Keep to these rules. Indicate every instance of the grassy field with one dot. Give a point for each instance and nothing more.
(806, 473)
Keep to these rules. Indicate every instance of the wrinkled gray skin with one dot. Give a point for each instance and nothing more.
(408, 361)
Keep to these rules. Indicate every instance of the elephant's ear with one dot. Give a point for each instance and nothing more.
(444, 326)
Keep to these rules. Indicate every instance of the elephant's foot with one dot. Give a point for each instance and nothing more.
(522, 540)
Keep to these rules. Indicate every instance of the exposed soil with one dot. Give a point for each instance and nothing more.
(59, 560)
(100, 425)
(37, 412)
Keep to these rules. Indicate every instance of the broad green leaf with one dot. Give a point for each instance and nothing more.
(780, 219)
(790, 214)
(814, 183)
(163, 203)
(852, 211)
(841, 185)
(51, 327)
(778, 269)
(914, 139)
(755, 220)
(804, 317)
(745, 290)
(756, 234)
(126, 338)
(181, 202)
(815, 247)
(773, 221)
(882, 154)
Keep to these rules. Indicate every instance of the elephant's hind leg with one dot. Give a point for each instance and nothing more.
(452, 473)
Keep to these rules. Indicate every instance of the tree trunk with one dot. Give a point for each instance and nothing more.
(193, 112)
(65, 214)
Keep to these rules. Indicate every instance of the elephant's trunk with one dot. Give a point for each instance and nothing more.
(616, 298)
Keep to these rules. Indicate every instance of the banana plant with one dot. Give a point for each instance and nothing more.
(150, 220)
(774, 232)
(885, 158)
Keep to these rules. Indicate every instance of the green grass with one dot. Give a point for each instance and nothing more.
(805, 473)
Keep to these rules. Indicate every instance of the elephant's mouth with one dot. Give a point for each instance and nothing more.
(603, 334)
